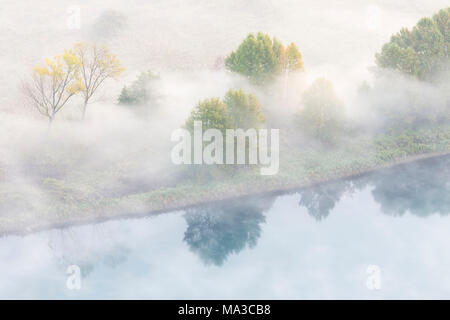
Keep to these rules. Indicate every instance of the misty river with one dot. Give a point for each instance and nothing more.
(383, 235)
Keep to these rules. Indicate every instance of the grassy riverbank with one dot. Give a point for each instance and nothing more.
(74, 201)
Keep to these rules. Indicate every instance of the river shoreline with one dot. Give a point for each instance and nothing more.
(23, 228)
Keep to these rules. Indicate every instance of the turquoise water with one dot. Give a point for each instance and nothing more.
(323, 242)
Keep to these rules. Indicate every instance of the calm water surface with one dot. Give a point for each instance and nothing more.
(326, 242)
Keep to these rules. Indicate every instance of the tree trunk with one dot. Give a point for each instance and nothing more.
(84, 109)
(50, 120)
(285, 86)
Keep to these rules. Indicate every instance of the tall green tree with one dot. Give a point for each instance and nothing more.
(260, 58)
(421, 52)
(322, 115)
(236, 110)
(212, 112)
(244, 110)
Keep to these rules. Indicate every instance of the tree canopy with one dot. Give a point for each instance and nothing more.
(212, 112)
(260, 58)
(237, 110)
(244, 110)
(97, 64)
(81, 70)
(421, 52)
(139, 92)
(54, 83)
(322, 114)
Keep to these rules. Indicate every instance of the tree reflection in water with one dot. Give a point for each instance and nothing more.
(320, 200)
(421, 188)
(216, 231)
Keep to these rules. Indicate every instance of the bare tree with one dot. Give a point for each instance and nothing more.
(52, 85)
(96, 65)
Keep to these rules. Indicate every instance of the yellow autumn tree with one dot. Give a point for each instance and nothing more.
(289, 61)
(294, 61)
(97, 64)
(54, 83)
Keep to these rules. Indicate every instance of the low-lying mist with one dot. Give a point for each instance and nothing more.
(121, 150)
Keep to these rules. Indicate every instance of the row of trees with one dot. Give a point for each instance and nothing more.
(81, 70)
(421, 52)
(261, 59)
